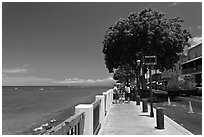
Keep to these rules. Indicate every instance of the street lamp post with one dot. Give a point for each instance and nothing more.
(138, 73)
(138, 85)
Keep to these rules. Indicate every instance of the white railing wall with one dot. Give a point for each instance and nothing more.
(88, 109)
(102, 107)
(105, 103)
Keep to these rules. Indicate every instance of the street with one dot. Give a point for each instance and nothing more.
(178, 111)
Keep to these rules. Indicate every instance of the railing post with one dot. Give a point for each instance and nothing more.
(102, 107)
(106, 102)
(108, 99)
(88, 109)
(111, 95)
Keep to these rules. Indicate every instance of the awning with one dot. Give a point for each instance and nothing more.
(191, 60)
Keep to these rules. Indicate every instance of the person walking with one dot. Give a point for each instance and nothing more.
(123, 96)
(127, 90)
(115, 94)
(118, 95)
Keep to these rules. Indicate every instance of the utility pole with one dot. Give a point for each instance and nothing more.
(150, 61)
(157, 78)
(151, 94)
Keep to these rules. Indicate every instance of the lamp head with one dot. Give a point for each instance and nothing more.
(138, 62)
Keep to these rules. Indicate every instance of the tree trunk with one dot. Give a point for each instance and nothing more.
(127, 80)
(143, 82)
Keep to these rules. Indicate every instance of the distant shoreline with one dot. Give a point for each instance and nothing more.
(63, 86)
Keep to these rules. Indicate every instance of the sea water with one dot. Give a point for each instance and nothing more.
(27, 107)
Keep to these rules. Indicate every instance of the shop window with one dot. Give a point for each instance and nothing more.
(196, 55)
(191, 64)
(198, 62)
(184, 66)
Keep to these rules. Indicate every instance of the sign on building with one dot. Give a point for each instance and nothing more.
(150, 60)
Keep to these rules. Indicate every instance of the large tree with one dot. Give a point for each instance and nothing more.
(124, 74)
(148, 32)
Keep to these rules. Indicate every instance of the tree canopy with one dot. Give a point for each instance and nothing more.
(124, 73)
(148, 32)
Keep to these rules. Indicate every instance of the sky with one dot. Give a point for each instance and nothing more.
(61, 43)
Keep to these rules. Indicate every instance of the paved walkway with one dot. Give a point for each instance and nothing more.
(128, 119)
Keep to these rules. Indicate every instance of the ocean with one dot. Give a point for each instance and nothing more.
(27, 107)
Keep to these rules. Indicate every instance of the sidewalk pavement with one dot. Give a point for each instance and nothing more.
(128, 119)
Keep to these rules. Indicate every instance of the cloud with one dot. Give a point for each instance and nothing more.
(84, 81)
(22, 69)
(14, 80)
(174, 4)
(190, 28)
(199, 27)
(25, 81)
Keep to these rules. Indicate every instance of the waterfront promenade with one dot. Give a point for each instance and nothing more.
(102, 117)
(128, 119)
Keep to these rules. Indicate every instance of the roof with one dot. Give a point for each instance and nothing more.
(195, 45)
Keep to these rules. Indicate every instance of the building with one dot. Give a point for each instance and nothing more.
(187, 73)
(169, 78)
(193, 64)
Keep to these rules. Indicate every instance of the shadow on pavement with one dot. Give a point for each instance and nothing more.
(158, 96)
(146, 115)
